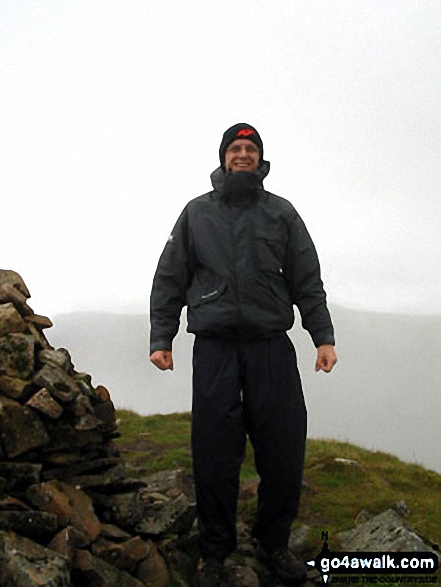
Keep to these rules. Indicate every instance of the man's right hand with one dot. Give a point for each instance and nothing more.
(162, 359)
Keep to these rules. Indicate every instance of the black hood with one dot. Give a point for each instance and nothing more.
(218, 175)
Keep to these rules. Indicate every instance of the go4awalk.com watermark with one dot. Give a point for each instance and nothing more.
(375, 567)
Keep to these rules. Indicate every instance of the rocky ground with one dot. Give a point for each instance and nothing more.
(71, 515)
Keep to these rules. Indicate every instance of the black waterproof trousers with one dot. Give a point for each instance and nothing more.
(246, 387)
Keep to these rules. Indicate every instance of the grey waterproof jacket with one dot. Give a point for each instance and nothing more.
(239, 269)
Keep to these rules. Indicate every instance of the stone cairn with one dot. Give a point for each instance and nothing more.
(69, 516)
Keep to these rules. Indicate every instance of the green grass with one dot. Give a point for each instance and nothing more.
(154, 443)
(334, 492)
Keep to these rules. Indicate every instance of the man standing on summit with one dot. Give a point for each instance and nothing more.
(239, 257)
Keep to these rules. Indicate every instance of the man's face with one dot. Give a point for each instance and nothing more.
(242, 155)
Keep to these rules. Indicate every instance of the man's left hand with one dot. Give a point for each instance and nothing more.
(326, 358)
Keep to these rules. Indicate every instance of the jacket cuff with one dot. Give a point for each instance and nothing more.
(323, 337)
(160, 345)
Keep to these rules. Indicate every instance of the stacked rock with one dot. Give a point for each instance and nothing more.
(69, 516)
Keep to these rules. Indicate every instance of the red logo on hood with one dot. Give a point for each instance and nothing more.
(245, 132)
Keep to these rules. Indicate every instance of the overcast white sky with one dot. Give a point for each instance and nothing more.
(111, 115)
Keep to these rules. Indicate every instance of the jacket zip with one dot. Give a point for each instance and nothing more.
(232, 219)
(212, 293)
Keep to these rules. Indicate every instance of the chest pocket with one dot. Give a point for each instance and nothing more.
(270, 265)
(270, 255)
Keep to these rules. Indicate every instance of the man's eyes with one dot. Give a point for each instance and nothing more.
(250, 149)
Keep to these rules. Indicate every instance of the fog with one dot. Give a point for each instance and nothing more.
(112, 114)
(383, 394)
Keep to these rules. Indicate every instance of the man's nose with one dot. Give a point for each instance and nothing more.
(243, 153)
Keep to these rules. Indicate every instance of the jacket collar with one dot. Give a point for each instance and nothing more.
(218, 175)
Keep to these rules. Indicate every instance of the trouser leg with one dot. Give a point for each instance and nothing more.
(275, 416)
(218, 442)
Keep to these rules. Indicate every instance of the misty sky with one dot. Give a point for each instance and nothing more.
(112, 112)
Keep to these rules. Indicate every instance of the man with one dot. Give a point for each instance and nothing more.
(239, 257)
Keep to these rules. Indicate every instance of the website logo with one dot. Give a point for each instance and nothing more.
(373, 563)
